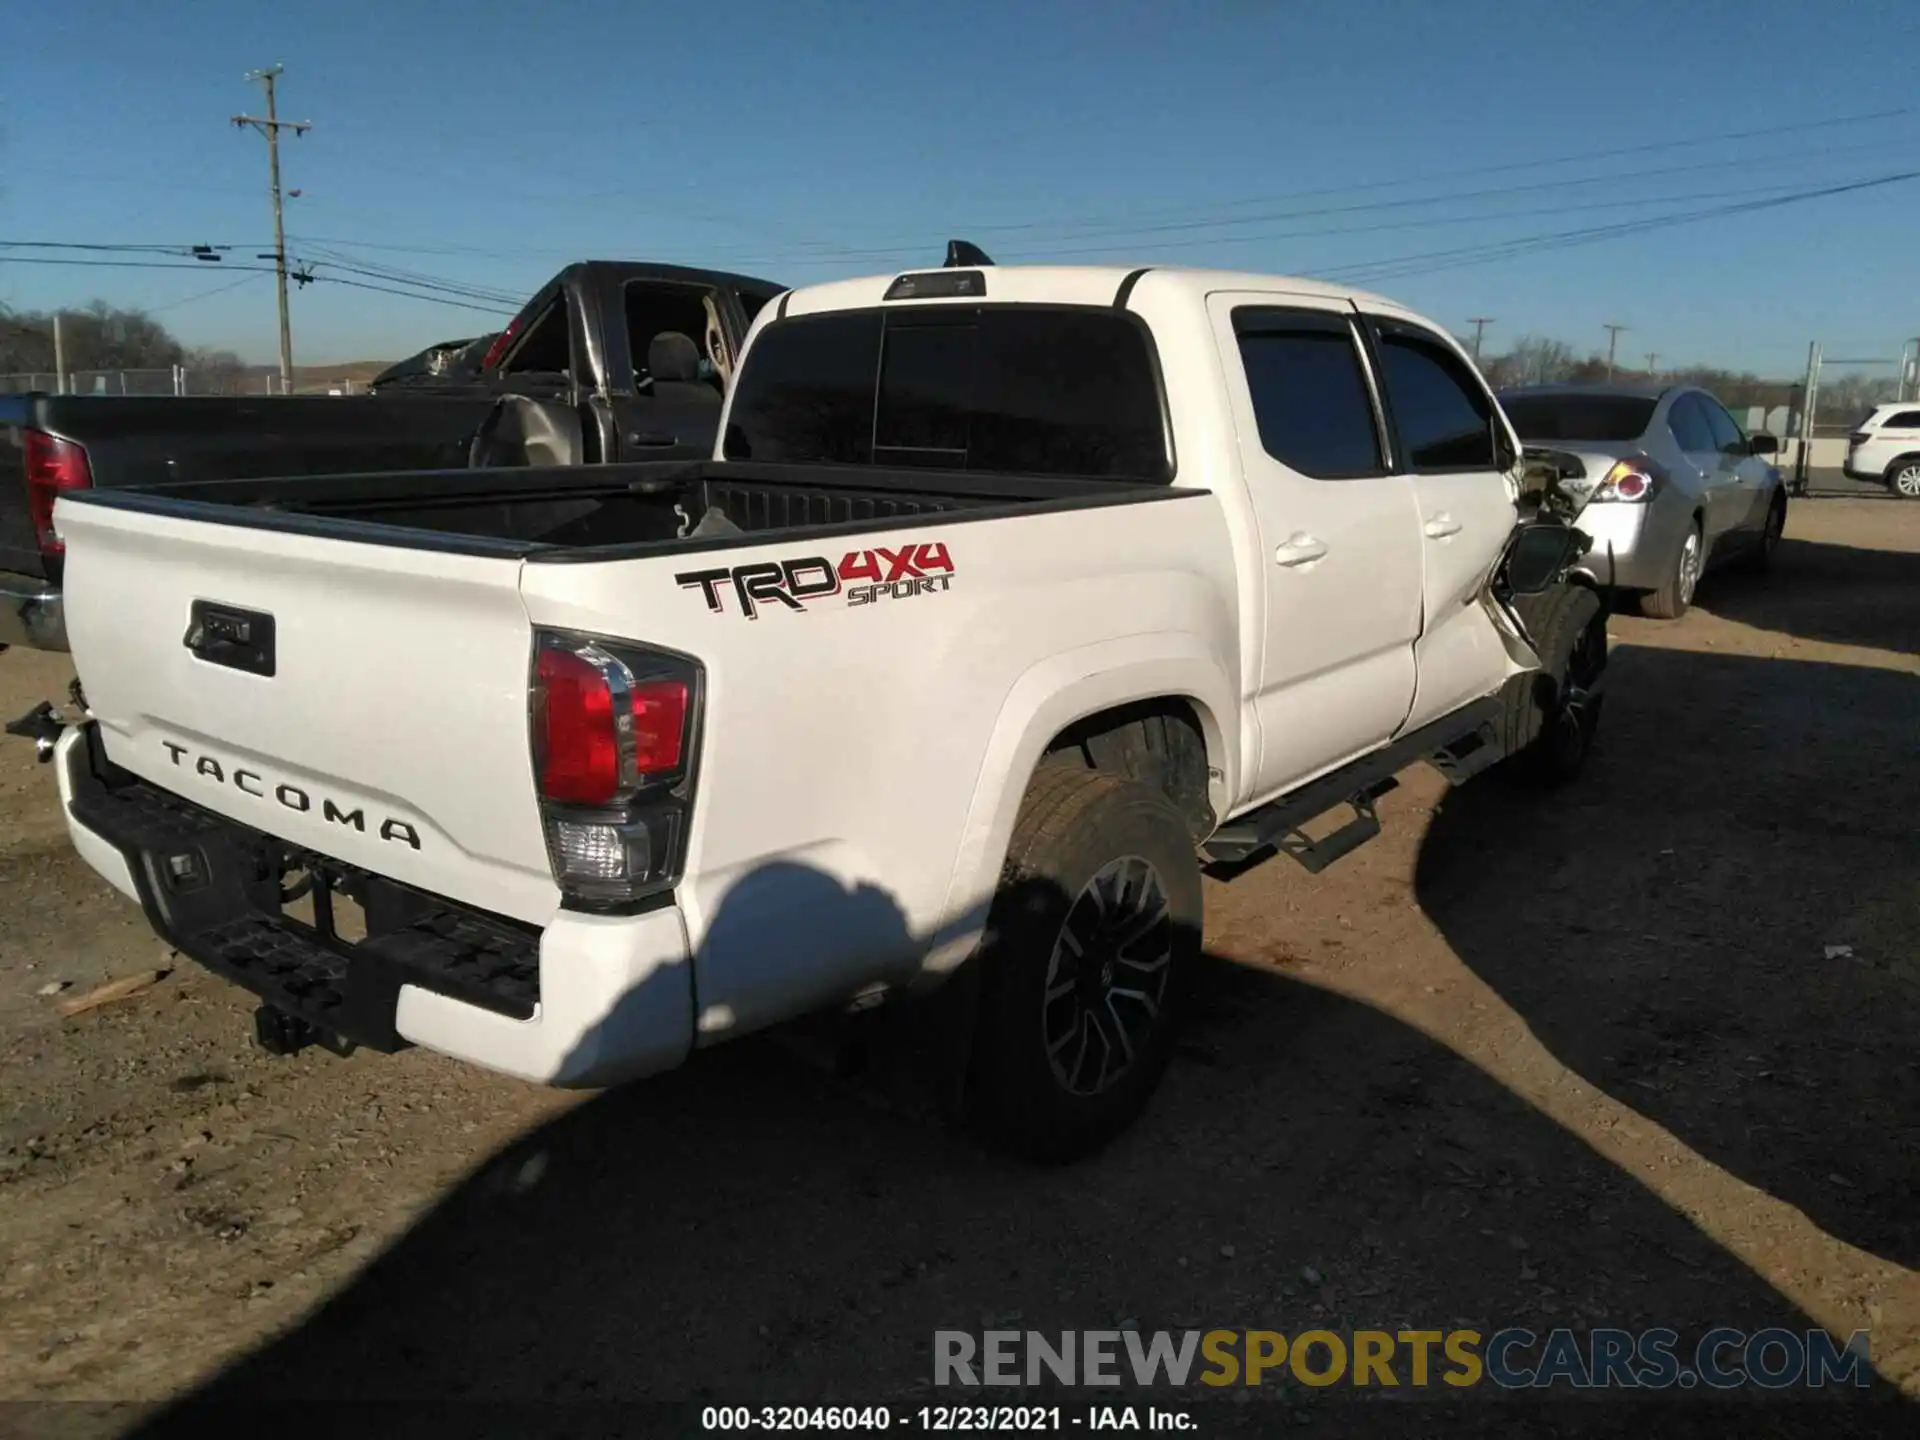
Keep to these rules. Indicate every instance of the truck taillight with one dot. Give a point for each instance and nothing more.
(612, 731)
(53, 466)
(499, 346)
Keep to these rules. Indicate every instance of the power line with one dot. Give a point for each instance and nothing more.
(202, 295)
(358, 265)
(374, 271)
(458, 304)
(415, 295)
(1117, 235)
(1426, 222)
(1613, 203)
(1400, 267)
(434, 248)
(209, 250)
(1121, 225)
(1509, 167)
(127, 264)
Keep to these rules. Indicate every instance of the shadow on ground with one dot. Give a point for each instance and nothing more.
(1839, 594)
(750, 1229)
(1732, 957)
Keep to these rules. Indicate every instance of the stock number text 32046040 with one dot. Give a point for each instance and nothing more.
(927, 1419)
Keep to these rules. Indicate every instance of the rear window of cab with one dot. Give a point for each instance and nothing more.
(1067, 391)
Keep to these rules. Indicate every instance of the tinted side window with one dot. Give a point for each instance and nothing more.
(1442, 416)
(1309, 392)
(806, 392)
(1690, 427)
(1726, 431)
(1905, 420)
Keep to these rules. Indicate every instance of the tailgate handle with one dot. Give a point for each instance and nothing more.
(229, 636)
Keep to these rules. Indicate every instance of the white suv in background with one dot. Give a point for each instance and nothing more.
(1886, 448)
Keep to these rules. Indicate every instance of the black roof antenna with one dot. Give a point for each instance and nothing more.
(965, 252)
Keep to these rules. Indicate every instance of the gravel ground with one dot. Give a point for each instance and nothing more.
(1641, 1054)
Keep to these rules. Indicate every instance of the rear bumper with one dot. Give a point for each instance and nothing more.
(1643, 539)
(585, 1002)
(31, 613)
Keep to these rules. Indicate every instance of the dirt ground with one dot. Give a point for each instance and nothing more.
(1642, 1054)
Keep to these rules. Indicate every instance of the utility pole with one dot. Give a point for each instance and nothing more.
(1652, 356)
(271, 127)
(59, 357)
(1479, 323)
(1613, 339)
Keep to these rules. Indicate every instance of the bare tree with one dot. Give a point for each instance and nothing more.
(1533, 360)
(215, 372)
(97, 336)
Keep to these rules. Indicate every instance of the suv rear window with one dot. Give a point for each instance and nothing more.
(1612, 418)
(1032, 390)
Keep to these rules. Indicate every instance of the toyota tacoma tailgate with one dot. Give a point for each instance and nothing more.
(361, 700)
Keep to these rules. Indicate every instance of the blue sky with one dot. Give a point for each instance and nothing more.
(486, 143)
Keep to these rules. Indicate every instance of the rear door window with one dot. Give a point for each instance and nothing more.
(1309, 392)
(1035, 390)
(1904, 420)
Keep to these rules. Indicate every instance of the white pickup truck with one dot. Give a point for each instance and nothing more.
(1012, 598)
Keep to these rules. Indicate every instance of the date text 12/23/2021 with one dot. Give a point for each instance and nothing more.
(947, 1419)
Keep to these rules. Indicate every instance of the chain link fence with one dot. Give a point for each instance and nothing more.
(180, 380)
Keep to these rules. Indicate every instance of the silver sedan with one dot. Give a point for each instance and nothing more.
(1676, 485)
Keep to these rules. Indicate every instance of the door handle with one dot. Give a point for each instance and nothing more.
(1441, 526)
(1300, 549)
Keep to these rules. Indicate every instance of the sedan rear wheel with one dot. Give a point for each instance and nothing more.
(1673, 599)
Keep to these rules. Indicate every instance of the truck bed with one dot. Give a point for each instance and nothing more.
(135, 442)
(377, 716)
(564, 513)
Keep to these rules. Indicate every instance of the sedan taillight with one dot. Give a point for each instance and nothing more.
(1633, 482)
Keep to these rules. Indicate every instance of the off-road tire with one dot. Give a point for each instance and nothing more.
(1548, 745)
(1075, 824)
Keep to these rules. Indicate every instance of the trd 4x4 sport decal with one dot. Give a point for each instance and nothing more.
(863, 576)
